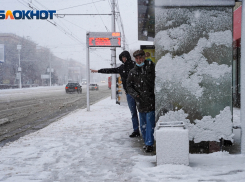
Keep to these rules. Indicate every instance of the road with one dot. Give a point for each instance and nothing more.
(23, 111)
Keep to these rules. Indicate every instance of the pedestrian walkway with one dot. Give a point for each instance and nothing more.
(94, 146)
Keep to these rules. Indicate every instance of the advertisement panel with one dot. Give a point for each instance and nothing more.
(1, 53)
(149, 52)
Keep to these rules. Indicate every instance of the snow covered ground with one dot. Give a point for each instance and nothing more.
(94, 146)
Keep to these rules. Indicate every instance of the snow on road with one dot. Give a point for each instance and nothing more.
(26, 93)
(94, 146)
(31, 89)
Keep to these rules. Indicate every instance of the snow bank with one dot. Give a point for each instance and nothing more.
(206, 129)
(219, 166)
(212, 129)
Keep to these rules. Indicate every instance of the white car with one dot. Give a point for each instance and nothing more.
(93, 86)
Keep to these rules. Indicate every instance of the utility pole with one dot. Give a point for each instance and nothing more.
(50, 69)
(113, 53)
(122, 28)
(88, 69)
(123, 40)
(19, 68)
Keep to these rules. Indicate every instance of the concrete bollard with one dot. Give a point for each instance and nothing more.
(172, 143)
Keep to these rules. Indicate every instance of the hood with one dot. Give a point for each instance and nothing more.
(125, 54)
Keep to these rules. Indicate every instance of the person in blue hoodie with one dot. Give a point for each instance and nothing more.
(123, 70)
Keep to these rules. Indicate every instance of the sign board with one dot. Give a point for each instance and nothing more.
(18, 47)
(1, 53)
(44, 76)
(17, 76)
(52, 70)
(104, 39)
(149, 52)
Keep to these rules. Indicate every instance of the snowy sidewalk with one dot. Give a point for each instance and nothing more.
(94, 146)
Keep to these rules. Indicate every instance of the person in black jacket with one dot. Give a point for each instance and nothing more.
(123, 70)
(140, 85)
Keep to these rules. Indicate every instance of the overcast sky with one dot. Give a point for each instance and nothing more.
(45, 34)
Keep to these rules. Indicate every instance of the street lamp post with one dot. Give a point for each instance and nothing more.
(50, 69)
(19, 68)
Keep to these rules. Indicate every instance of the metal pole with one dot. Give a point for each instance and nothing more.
(124, 41)
(242, 117)
(19, 71)
(50, 69)
(88, 70)
(79, 75)
(113, 53)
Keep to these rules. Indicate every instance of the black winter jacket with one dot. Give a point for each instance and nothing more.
(123, 69)
(141, 82)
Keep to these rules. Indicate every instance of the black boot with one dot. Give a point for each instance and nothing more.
(135, 134)
(148, 148)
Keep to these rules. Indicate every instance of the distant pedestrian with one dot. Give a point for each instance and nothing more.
(140, 85)
(123, 70)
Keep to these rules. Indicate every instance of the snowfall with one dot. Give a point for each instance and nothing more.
(95, 146)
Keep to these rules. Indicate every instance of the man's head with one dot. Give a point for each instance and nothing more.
(139, 56)
(124, 59)
(126, 55)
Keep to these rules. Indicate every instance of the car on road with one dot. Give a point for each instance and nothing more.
(93, 86)
(73, 87)
(84, 82)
